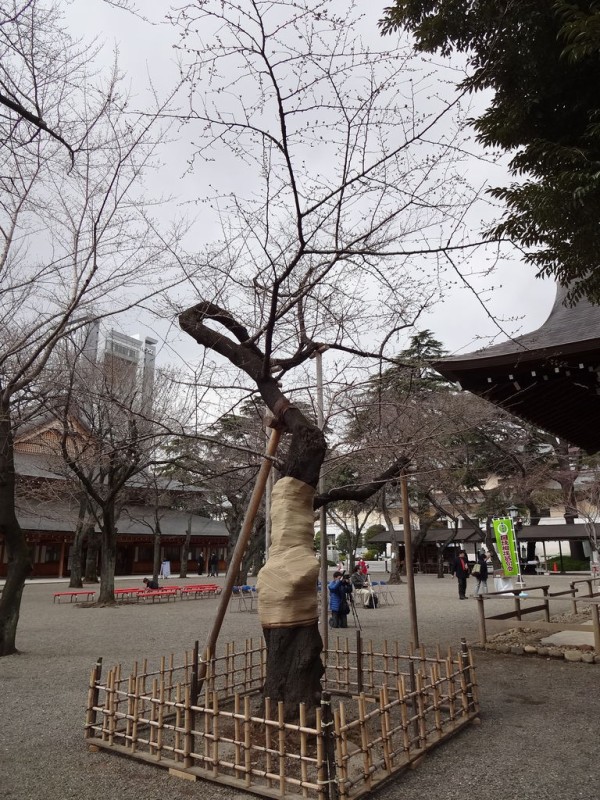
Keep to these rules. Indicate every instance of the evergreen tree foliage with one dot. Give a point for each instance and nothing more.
(541, 60)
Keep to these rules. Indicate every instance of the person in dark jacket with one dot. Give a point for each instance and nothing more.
(339, 589)
(213, 566)
(200, 564)
(150, 583)
(461, 571)
(481, 574)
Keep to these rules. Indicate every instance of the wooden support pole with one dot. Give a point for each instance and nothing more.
(239, 550)
(481, 610)
(410, 573)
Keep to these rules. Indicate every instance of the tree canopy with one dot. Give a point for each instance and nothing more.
(541, 60)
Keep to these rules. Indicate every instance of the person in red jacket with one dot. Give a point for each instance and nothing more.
(461, 570)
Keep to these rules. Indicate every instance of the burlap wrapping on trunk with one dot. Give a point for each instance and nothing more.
(287, 595)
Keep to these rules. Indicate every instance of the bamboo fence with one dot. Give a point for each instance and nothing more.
(380, 712)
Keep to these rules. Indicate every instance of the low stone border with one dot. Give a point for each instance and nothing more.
(572, 654)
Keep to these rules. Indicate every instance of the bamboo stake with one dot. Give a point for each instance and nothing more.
(105, 709)
(247, 741)
(328, 745)
(117, 693)
(385, 728)
(341, 736)
(178, 713)
(237, 733)
(467, 694)
(268, 743)
(473, 680)
(385, 656)
(130, 709)
(111, 707)
(136, 711)
(240, 547)
(161, 718)
(303, 750)
(404, 715)
(93, 695)
(371, 666)
(216, 729)
(281, 746)
(153, 719)
(413, 693)
(451, 685)
(435, 678)
(322, 777)
(364, 742)
(421, 712)
(346, 655)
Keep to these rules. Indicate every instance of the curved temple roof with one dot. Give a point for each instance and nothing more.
(548, 377)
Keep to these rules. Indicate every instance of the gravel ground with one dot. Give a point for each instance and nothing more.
(538, 736)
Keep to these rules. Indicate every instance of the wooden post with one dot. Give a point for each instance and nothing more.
(239, 550)
(322, 516)
(93, 694)
(410, 573)
(359, 672)
(481, 610)
(546, 604)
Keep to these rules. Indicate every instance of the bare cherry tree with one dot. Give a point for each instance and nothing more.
(342, 196)
(77, 238)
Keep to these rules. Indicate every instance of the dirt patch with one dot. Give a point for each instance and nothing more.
(527, 640)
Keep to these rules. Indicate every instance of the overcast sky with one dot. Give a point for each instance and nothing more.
(518, 303)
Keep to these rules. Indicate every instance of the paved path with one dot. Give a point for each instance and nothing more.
(538, 738)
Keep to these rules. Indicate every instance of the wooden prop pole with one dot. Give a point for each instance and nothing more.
(410, 572)
(238, 553)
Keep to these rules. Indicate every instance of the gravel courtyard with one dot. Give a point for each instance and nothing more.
(538, 738)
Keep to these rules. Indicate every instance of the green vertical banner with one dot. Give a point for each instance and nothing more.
(506, 545)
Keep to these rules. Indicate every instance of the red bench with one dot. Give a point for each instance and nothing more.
(74, 595)
(201, 590)
(156, 594)
(132, 592)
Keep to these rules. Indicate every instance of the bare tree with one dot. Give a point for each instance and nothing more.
(75, 235)
(349, 194)
(114, 424)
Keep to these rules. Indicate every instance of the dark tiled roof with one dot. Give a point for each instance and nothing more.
(134, 520)
(540, 533)
(567, 330)
(548, 378)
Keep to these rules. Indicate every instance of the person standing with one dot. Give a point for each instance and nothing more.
(200, 564)
(213, 566)
(461, 571)
(339, 589)
(480, 572)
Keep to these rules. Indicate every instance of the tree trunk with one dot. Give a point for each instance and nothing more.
(294, 667)
(19, 558)
(394, 577)
(76, 577)
(185, 551)
(91, 557)
(108, 557)
(440, 562)
(156, 552)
